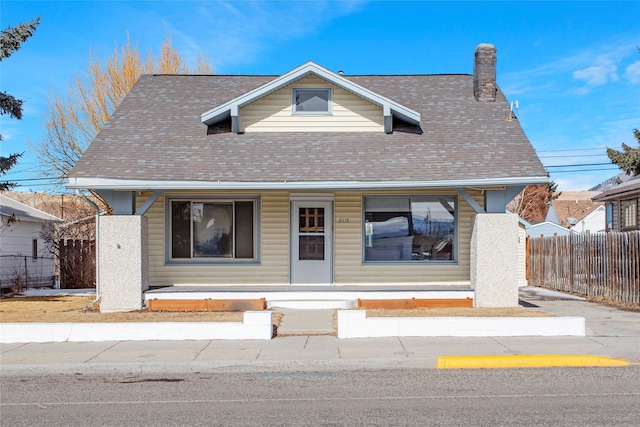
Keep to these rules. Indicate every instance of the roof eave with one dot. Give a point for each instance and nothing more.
(615, 193)
(140, 185)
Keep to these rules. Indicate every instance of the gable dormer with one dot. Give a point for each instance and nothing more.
(310, 98)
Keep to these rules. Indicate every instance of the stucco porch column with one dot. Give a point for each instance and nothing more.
(494, 260)
(123, 262)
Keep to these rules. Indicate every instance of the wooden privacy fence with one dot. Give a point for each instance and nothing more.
(604, 264)
(77, 264)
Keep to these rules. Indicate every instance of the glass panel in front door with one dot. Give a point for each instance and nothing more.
(311, 234)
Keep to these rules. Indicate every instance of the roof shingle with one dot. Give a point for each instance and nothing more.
(156, 134)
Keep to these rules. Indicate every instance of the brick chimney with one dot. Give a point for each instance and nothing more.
(484, 73)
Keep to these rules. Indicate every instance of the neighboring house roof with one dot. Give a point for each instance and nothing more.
(552, 216)
(626, 189)
(547, 229)
(612, 182)
(9, 207)
(573, 204)
(156, 139)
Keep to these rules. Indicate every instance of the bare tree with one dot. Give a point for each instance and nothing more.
(76, 115)
(532, 203)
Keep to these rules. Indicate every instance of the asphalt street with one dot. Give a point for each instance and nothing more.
(407, 397)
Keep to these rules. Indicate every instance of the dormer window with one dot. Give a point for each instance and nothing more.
(311, 101)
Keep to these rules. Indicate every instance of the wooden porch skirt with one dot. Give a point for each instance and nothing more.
(404, 304)
(207, 304)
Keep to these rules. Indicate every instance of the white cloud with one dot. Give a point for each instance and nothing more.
(603, 71)
(632, 73)
(589, 65)
(233, 33)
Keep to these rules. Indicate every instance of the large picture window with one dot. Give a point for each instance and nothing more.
(410, 228)
(312, 101)
(213, 229)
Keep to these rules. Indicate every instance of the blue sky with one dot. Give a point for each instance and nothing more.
(573, 67)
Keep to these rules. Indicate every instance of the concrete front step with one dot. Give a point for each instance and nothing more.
(311, 304)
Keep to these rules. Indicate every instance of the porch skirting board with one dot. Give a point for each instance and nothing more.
(356, 324)
(310, 297)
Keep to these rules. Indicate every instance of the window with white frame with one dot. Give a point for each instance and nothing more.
(311, 101)
(410, 228)
(212, 229)
(629, 214)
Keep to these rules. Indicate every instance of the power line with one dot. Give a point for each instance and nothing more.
(584, 170)
(578, 165)
(581, 155)
(573, 149)
(35, 179)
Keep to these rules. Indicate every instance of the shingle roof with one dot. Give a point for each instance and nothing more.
(577, 209)
(157, 135)
(621, 191)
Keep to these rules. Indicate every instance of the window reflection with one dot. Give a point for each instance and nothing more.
(403, 228)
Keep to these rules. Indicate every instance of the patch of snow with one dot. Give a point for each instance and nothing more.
(46, 292)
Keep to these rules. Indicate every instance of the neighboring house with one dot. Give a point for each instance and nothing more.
(577, 211)
(592, 222)
(25, 260)
(310, 178)
(548, 228)
(622, 206)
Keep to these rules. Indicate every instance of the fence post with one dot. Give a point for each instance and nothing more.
(541, 272)
(527, 261)
(588, 262)
(26, 273)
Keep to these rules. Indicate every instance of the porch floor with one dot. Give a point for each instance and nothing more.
(310, 297)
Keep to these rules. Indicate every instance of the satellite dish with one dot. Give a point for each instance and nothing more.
(571, 220)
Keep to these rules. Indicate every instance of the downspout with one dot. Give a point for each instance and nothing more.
(97, 209)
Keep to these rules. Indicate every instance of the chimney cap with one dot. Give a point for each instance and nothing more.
(485, 46)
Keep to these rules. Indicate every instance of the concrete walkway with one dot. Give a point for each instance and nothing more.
(610, 332)
(306, 322)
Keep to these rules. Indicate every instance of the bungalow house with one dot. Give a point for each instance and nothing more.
(622, 205)
(577, 211)
(311, 179)
(26, 260)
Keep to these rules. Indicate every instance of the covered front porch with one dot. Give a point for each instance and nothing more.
(125, 281)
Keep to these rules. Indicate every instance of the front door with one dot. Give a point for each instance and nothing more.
(311, 242)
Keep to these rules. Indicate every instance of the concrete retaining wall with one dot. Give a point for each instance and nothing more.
(255, 325)
(356, 324)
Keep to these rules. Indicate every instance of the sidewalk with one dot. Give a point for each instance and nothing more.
(610, 332)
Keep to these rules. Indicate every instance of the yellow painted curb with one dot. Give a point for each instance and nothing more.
(526, 361)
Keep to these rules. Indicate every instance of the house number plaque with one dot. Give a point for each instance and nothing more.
(343, 221)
